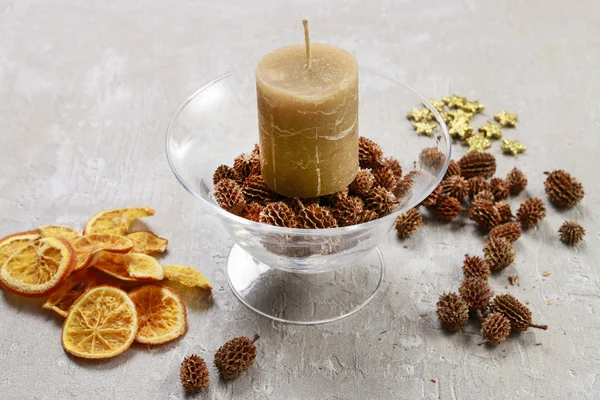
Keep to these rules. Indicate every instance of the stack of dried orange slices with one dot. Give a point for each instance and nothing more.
(105, 283)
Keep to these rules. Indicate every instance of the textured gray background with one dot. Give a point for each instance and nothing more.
(87, 89)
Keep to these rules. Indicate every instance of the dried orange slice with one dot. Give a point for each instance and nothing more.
(187, 276)
(12, 244)
(62, 299)
(39, 268)
(59, 231)
(112, 264)
(147, 242)
(87, 245)
(117, 221)
(102, 323)
(161, 314)
(143, 267)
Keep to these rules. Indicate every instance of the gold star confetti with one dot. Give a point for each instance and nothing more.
(460, 128)
(513, 147)
(424, 128)
(447, 116)
(491, 130)
(454, 101)
(506, 119)
(438, 105)
(474, 107)
(478, 143)
(420, 115)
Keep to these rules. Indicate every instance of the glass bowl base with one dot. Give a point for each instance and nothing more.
(304, 299)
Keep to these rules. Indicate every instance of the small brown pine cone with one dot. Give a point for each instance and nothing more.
(235, 357)
(475, 267)
(477, 164)
(278, 214)
(386, 178)
(297, 204)
(256, 190)
(447, 208)
(252, 211)
(505, 211)
(315, 216)
(495, 329)
(516, 181)
(408, 223)
(331, 199)
(432, 159)
(194, 374)
(485, 196)
(478, 184)
(369, 153)
(476, 292)
(498, 253)
(499, 189)
(518, 314)
(223, 172)
(368, 216)
(381, 200)
(393, 164)
(485, 214)
(531, 212)
(229, 196)
(404, 186)
(571, 232)
(242, 166)
(455, 186)
(452, 311)
(363, 182)
(453, 169)
(348, 211)
(255, 164)
(431, 200)
(510, 231)
(563, 189)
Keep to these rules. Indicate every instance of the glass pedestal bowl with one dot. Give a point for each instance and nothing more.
(302, 276)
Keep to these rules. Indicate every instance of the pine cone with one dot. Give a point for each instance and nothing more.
(452, 311)
(431, 200)
(495, 329)
(278, 214)
(242, 166)
(393, 164)
(505, 211)
(453, 170)
(562, 189)
(255, 163)
(297, 204)
(404, 186)
(517, 313)
(484, 196)
(235, 357)
(499, 189)
(385, 178)
(331, 199)
(252, 211)
(477, 164)
(194, 374)
(256, 190)
(478, 184)
(363, 182)
(510, 231)
(485, 214)
(369, 153)
(382, 201)
(315, 216)
(475, 267)
(348, 211)
(223, 172)
(447, 208)
(516, 181)
(455, 186)
(229, 196)
(368, 216)
(571, 232)
(432, 159)
(408, 223)
(476, 292)
(498, 253)
(531, 212)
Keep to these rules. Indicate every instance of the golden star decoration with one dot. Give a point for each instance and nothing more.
(454, 101)
(474, 107)
(420, 115)
(438, 105)
(478, 143)
(513, 147)
(460, 128)
(504, 118)
(424, 128)
(491, 130)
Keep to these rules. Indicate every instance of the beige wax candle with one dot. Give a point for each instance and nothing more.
(308, 119)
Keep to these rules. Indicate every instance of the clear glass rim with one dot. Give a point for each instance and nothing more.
(297, 231)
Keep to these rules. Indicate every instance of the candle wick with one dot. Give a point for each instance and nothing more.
(307, 42)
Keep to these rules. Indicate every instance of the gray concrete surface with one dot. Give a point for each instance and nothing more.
(87, 89)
